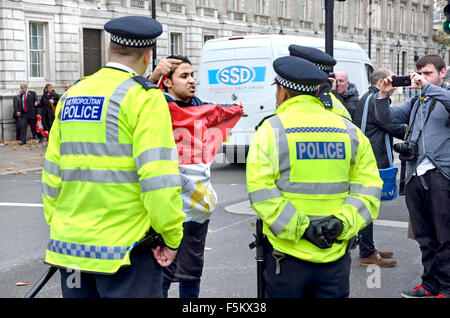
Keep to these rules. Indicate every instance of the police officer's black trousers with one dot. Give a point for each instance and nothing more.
(300, 279)
(143, 279)
(428, 202)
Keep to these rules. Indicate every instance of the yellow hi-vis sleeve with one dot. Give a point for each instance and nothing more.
(362, 204)
(156, 159)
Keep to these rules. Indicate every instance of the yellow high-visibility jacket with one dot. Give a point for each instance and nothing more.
(110, 173)
(339, 108)
(305, 162)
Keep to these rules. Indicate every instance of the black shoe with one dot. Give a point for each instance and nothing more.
(22, 143)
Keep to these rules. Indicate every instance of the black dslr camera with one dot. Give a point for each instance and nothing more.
(408, 150)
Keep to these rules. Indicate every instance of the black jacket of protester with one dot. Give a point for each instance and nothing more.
(375, 129)
(350, 98)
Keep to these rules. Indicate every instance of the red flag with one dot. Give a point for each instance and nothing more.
(200, 130)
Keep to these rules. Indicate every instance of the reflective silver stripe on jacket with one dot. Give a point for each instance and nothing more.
(51, 168)
(97, 149)
(264, 194)
(88, 251)
(99, 176)
(112, 113)
(155, 154)
(50, 191)
(286, 214)
(283, 219)
(336, 104)
(356, 188)
(354, 140)
(160, 182)
(361, 207)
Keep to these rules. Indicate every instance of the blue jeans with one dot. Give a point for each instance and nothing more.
(187, 289)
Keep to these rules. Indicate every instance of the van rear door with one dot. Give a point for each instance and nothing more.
(239, 70)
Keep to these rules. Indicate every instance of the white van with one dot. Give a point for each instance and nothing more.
(239, 69)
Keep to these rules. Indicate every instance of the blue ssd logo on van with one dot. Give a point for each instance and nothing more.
(83, 108)
(237, 75)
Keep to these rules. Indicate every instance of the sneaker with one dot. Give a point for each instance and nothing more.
(385, 254)
(376, 259)
(440, 296)
(417, 292)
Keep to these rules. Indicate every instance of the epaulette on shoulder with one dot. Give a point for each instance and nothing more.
(262, 121)
(84, 77)
(147, 84)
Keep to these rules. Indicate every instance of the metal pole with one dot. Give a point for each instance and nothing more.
(370, 28)
(329, 25)
(42, 281)
(398, 63)
(154, 46)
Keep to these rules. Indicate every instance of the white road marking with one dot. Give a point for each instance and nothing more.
(27, 205)
(245, 208)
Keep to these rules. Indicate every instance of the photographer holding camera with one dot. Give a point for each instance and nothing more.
(427, 155)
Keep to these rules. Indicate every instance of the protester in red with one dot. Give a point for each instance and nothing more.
(199, 130)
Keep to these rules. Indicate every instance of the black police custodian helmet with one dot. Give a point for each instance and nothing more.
(321, 59)
(298, 74)
(134, 31)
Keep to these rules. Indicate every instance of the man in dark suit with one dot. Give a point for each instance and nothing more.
(28, 103)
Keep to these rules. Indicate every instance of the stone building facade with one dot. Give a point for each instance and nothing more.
(59, 41)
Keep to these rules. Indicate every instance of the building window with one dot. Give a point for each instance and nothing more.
(375, 19)
(322, 11)
(203, 3)
(389, 17)
(378, 57)
(37, 49)
(259, 6)
(401, 22)
(356, 13)
(207, 37)
(303, 10)
(425, 21)
(413, 21)
(232, 5)
(282, 9)
(340, 12)
(175, 43)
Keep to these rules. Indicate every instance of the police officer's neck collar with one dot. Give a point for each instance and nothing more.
(121, 67)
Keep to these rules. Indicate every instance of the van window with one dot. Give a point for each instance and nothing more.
(369, 71)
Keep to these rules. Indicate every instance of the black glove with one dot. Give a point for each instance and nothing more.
(323, 232)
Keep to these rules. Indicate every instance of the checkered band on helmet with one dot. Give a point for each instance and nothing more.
(132, 42)
(295, 86)
(324, 67)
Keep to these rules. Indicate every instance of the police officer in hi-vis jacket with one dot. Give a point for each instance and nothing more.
(313, 180)
(111, 174)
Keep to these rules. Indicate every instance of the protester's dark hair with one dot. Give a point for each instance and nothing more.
(434, 59)
(379, 73)
(183, 59)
